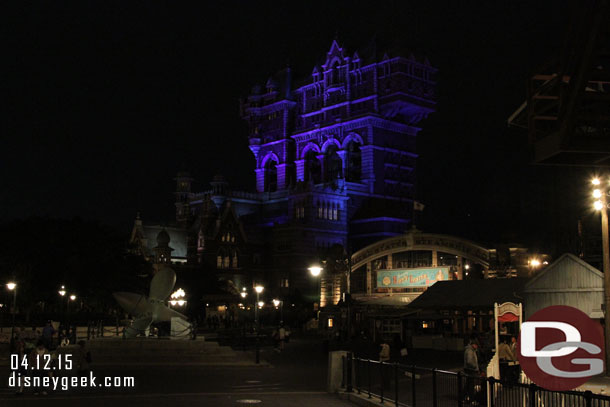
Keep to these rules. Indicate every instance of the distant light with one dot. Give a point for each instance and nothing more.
(276, 303)
(243, 288)
(179, 293)
(11, 286)
(467, 266)
(598, 205)
(173, 302)
(207, 304)
(545, 262)
(595, 181)
(181, 302)
(260, 304)
(330, 322)
(597, 193)
(62, 292)
(243, 294)
(72, 297)
(466, 273)
(259, 288)
(535, 262)
(315, 270)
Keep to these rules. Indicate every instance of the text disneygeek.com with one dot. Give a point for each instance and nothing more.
(18, 381)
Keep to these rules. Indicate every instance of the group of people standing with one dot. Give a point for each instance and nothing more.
(475, 361)
(51, 337)
(34, 345)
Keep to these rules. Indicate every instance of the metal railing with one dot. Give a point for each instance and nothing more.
(413, 386)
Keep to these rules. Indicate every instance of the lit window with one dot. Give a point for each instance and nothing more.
(219, 262)
(320, 212)
(235, 261)
(226, 262)
(330, 322)
(335, 214)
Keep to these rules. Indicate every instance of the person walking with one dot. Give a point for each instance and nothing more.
(384, 357)
(21, 368)
(471, 368)
(37, 358)
(47, 335)
(281, 337)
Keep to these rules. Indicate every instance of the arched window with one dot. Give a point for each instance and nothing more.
(200, 240)
(333, 165)
(313, 170)
(225, 263)
(219, 261)
(234, 260)
(270, 176)
(354, 162)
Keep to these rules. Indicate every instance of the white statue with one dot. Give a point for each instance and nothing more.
(153, 308)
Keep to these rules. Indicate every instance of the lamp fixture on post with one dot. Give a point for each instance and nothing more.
(259, 289)
(12, 286)
(600, 194)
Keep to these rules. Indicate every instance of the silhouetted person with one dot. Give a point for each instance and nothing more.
(47, 334)
(471, 367)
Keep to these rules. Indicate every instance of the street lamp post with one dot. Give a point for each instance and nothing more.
(259, 289)
(280, 304)
(11, 286)
(601, 204)
(62, 294)
(316, 271)
(70, 298)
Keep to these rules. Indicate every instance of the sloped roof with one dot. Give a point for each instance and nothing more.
(470, 293)
(568, 271)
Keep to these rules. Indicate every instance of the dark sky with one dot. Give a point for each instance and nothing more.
(105, 101)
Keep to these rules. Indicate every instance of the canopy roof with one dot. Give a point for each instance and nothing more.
(470, 294)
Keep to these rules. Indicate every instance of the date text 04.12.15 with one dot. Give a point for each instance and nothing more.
(42, 362)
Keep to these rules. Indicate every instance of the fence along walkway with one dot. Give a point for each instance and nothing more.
(412, 386)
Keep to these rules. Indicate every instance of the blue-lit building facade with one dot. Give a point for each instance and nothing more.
(335, 165)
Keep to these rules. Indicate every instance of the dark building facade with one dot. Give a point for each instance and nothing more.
(335, 165)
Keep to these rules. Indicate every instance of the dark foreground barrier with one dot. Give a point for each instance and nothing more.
(402, 385)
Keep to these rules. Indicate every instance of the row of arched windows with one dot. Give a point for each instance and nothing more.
(319, 168)
(228, 237)
(225, 259)
(330, 166)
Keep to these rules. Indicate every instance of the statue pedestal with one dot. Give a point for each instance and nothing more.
(180, 329)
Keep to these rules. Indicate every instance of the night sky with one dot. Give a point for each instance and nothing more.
(105, 101)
